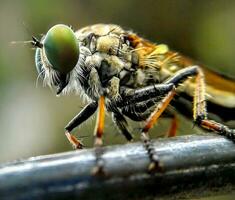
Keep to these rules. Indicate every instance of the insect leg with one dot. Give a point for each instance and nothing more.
(143, 110)
(157, 113)
(139, 111)
(182, 75)
(98, 132)
(199, 106)
(82, 116)
(173, 128)
(133, 96)
(200, 112)
(122, 125)
(154, 161)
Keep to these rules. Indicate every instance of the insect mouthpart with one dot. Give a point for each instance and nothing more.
(60, 81)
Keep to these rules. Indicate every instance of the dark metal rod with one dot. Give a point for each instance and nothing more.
(193, 166)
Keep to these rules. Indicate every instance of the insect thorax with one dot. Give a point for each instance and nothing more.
(110, 61)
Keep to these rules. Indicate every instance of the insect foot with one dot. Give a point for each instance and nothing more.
(74, 141)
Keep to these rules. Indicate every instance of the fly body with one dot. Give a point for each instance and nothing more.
(112, 62)
(128, 76)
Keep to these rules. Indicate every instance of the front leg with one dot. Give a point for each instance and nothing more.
(82, 116)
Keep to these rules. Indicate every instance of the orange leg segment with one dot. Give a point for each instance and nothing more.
(174, 126)
(154, 161)
(157, 113)
(98, 132)
(99, 129)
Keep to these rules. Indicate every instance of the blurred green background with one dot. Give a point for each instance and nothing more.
(32, 119)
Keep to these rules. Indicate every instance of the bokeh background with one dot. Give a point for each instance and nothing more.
(32, 118)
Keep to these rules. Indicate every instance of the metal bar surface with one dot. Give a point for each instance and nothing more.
(193, 166)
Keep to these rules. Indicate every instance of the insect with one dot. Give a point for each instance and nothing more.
(118, 71)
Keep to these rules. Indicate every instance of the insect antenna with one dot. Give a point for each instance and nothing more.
(20, 42)
(36, 42)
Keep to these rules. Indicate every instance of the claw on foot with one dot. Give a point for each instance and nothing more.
(74, 141)
(152, 167)
(155, 167)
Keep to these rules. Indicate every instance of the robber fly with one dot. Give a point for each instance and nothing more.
(128, 76)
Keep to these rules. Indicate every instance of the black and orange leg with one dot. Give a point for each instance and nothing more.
(200, 112)
(158, 90)
(175, 80)
(199, 102)
(98, 133)
(157, 113)
(154, 161)
(82, 116)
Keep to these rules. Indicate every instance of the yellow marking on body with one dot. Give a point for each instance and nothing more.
(220, 89)
(160, 49)
(173, 68)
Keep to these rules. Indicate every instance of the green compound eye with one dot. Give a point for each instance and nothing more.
(61, 48)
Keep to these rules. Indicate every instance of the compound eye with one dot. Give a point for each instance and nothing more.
(61, 48)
